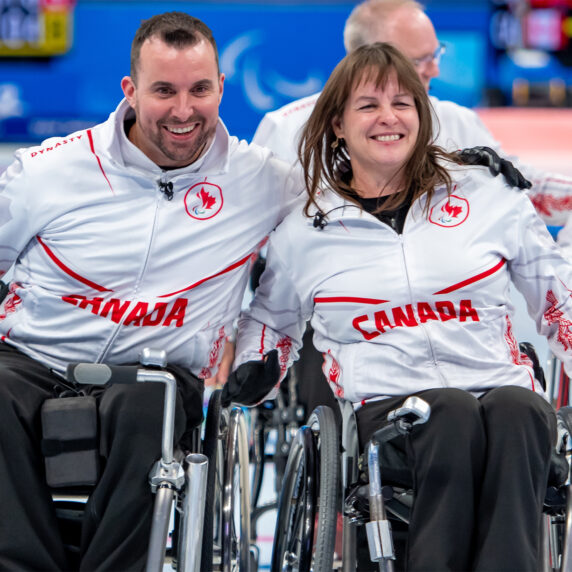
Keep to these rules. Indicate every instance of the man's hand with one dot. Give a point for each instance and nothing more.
(252, 381)
(221, 376)
(487, 157)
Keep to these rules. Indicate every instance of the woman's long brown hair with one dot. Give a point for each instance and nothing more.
(325, 166)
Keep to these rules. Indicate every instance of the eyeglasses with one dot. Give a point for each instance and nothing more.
(434, 57)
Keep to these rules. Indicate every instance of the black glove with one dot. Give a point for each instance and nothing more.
(252, 381)
(487, 157)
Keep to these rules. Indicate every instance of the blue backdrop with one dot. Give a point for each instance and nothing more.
(270, 55)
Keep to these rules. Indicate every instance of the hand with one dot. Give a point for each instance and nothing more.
(497, 166)
(221, 376)
(252, 381)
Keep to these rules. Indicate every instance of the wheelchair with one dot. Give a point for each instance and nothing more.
(322, 485)
(273, 426)
(201, 515)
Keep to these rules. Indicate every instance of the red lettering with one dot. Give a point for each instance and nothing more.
(356, 324)
(95, 303)
(159, 311)
(467, 311)
(177, 313)
(137, 314)
(73, 299)
(382, 321)
(117, 309)
(425, 312)
(401, 319)
(446, 310)
(33, 154)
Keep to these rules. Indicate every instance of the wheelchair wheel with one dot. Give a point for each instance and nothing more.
(235, 520)
(307, 512)
(213, 448)
(226, 534)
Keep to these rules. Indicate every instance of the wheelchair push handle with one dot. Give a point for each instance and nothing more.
(101, 374)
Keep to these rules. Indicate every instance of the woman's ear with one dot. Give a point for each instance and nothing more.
(337, 127)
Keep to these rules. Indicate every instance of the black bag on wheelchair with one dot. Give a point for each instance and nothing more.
(70, 443)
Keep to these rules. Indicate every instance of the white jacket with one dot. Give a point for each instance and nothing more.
(454, 127)
(105, 265)
(395, 314)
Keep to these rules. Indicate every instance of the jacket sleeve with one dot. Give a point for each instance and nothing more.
(275, 318)
(17, 223)
(544, 277)
(551, 193)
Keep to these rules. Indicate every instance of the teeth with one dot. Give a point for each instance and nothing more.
(181, 130)
(387, 137)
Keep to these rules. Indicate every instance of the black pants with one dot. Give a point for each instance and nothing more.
(480, 471)
(117, 521)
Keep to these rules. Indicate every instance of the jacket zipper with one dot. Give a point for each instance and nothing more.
(422, 326)
(160, 197)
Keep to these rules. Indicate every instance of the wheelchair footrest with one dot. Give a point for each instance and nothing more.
(379, 540)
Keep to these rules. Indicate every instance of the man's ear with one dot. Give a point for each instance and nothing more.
(221, 87)
(128, 87)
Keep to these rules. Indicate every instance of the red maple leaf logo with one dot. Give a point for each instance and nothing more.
(452, 210)
(208, 200)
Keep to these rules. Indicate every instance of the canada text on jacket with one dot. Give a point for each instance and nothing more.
(136, 313)
(412, 315)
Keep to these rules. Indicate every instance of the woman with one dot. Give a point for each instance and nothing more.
(402, 260)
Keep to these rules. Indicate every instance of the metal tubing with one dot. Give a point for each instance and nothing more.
(159, 529)
(376, 508)
(191, 535)
(149, 375)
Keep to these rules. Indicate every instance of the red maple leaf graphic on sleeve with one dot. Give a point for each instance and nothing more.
(555, 316)
(452, 210)
(208, 200)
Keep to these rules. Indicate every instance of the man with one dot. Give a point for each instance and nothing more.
(135, 233)
(404, 24)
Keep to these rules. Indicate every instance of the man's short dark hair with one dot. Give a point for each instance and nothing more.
(176, 29)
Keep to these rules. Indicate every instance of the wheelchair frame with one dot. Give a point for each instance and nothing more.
(368, 503)
(186, 485)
